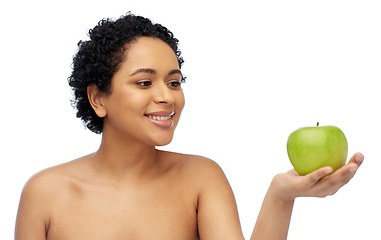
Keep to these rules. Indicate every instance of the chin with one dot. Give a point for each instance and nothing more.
(163, 143)
(162, 140)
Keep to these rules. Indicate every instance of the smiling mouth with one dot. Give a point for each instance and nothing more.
(159, 118)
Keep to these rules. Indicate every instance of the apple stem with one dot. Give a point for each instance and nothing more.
(317, 125)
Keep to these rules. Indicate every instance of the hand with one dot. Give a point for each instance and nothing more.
(291, 185)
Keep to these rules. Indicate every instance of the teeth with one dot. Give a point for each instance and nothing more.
(160, 118)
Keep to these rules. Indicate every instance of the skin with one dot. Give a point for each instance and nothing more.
(130, 190)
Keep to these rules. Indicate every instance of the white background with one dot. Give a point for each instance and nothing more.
(257, 70)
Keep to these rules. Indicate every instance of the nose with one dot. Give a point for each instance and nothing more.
(163, 94)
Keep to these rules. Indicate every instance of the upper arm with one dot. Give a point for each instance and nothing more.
(32, 217)
(217, 209)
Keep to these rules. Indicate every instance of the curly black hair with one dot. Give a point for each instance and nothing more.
(98, 59)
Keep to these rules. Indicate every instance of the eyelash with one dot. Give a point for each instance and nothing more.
(178, 84)
(149, 83)
(143, 83)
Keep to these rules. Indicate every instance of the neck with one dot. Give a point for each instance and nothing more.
(124, 158)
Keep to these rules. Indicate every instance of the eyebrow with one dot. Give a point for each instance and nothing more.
(175, 71)
(153, 71)
(144, 70)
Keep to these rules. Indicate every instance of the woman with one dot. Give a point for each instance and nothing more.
(127, 85)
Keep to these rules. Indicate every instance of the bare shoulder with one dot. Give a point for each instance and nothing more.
(190, 161)
(199, 168)
(216, 205)
(50, 184)
(37, 200)
(47, 180)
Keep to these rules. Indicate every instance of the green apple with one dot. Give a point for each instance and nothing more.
(311, 148)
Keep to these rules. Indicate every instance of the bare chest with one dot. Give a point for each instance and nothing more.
(163, 211)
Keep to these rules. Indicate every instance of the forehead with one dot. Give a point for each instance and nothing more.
(149, 52)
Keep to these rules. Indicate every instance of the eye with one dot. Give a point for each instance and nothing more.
(144, 83)
(174, 84)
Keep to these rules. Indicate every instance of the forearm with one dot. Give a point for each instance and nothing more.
(273, 219)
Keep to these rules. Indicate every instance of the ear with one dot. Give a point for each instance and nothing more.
(95, 97)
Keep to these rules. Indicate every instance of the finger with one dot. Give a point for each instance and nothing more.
(332, 183)
(312, 178)
(357, 158)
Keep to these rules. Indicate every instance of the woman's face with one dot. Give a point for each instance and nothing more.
(146, 98)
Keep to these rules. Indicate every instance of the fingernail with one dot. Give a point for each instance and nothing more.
(351, 170)
(359, 158)
(328, 170)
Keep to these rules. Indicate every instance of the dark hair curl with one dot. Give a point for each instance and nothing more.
(99, 58)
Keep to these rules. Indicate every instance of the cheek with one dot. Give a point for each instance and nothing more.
(180, 101)
(136, 101)
(128, 104)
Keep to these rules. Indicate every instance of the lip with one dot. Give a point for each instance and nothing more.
(161, 113)
(161, 123)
